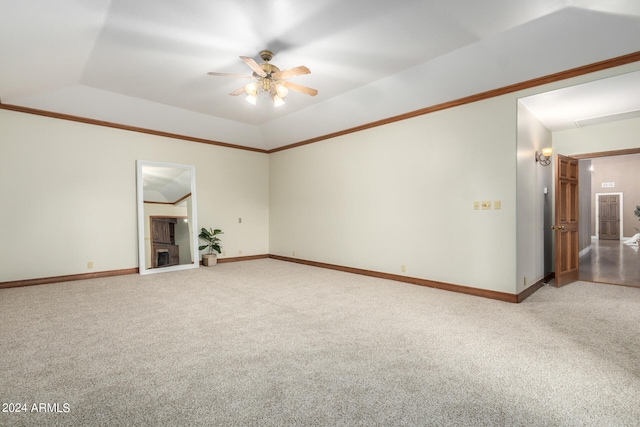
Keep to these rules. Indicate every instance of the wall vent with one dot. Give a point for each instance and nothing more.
(606, 119)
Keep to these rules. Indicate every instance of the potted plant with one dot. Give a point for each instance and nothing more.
(211, 236)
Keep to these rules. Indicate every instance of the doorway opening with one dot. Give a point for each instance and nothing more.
(556, 119)
(611, 256)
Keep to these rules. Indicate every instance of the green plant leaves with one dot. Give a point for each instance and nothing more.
(210, 236)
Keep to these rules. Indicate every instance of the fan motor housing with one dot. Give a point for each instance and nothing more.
(268, 68)
(266, 55)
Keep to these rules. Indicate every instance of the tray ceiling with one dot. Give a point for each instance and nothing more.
(144, 63)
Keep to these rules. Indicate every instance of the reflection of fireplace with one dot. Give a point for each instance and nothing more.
(162, 257)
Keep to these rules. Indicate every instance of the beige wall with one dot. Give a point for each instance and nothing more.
(69, 195)
(534, 236)
(618, 135)
(403, 194)
(584, 204)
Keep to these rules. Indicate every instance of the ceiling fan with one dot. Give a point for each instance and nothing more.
(269, 80)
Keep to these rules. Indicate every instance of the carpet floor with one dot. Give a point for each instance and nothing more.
(272, 343)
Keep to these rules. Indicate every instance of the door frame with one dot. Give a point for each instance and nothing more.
(620, 213)
(593, 155)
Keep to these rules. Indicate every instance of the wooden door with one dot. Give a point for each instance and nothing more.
(609, 217)
(566, 220)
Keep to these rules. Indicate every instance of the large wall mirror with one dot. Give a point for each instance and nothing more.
(167, 224)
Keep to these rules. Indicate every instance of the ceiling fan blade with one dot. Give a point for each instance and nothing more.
(239, 76)
(299, 88)
(238, 92)
(291, 72)
(254, 66)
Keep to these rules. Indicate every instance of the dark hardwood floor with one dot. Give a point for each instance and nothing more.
(611, 261)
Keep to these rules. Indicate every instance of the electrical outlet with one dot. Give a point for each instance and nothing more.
(403, 268)
(497, 205)
(239, 220)
(90, 264)
(486, 204)
(476, 206)
(240, 252)
(294, 253)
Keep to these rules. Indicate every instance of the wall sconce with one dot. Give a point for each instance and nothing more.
(544, 157)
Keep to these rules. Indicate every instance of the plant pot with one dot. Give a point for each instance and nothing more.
(209, 259)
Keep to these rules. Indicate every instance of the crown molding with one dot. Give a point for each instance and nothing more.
(95, 122)
(551, 78)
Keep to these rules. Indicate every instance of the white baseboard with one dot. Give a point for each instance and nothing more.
(622, 238)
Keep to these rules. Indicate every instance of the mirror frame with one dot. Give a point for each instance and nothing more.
(193, 220)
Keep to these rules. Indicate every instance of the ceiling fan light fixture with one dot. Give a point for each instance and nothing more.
(251, 89)
(251, 99)
(282, 91)
(269, 81)
(278, 101)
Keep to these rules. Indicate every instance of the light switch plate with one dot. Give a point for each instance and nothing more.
(497, 204)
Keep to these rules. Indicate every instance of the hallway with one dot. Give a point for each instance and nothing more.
(611, 261)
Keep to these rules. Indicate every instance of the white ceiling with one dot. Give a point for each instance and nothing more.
(600, 101)
(165, 184)
(144, 62)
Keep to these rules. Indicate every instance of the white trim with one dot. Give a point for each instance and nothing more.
(620, 214)
(584, 251)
